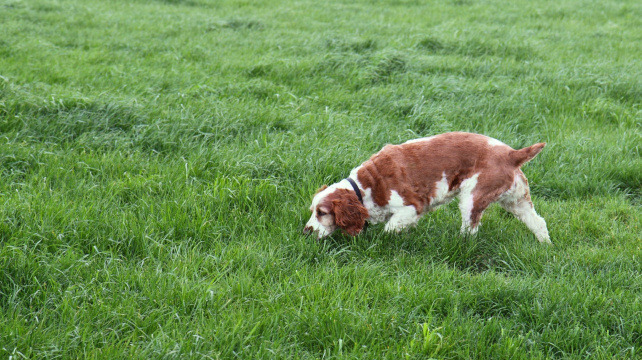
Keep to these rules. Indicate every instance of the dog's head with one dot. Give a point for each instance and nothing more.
(334, 208)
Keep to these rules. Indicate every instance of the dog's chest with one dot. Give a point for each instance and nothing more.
(378, 214)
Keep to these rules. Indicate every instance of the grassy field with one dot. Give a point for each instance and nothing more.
(158, 159)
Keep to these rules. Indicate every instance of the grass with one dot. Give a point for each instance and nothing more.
(158, 159)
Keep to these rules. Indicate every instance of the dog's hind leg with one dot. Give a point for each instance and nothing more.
(470, 207)
(518, 202)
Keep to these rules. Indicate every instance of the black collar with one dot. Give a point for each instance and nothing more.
(356, 189)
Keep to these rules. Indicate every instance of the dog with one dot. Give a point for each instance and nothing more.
(400, 183)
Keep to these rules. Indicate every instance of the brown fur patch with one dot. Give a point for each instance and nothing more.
(413, 169)
(349, 214)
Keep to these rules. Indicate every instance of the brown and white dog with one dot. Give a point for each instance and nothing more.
(402, 182)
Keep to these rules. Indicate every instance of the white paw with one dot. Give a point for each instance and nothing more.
(543, 237)
(467, 230)
(393, 227)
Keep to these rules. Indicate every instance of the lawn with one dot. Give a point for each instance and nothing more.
(158, 159)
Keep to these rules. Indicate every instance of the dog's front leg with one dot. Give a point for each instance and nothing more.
(402, 218)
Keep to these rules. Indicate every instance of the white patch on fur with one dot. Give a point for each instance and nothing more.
(441, 188)
(420, 139)
(516, 202)
(495, 142)
(353, 176)
(323, 231)
(376, 213)
(466, 203)
(395, 212)
(442, 195)
(402, 215)
(322, 228)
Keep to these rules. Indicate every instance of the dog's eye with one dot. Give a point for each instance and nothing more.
(321, 213)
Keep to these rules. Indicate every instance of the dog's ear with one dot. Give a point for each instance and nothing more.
(349, 214)
(321, 189)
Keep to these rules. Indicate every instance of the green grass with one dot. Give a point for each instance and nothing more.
(158, 159)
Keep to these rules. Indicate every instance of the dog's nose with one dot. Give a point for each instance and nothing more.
(307, 230)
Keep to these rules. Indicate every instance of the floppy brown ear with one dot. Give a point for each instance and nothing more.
(349, 214)
(321, 189)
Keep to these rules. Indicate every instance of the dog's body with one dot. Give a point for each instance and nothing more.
(402, 182)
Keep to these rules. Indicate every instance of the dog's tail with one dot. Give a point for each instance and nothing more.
(522, 156)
